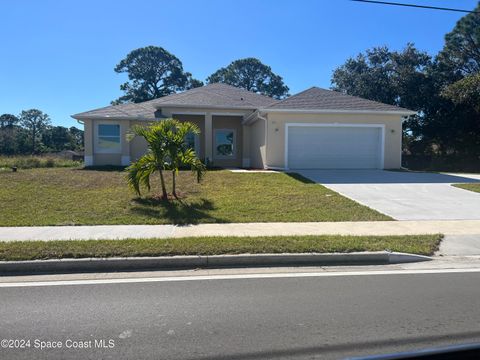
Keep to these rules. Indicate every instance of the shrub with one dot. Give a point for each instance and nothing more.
(30, 162)
(50, 163)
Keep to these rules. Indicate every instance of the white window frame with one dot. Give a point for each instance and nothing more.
(98, 148)
(234, 145)
(381, 164)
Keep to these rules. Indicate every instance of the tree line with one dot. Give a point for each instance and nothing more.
(444, 89)
(31, 132)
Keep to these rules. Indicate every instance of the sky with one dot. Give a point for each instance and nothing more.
(59, 56)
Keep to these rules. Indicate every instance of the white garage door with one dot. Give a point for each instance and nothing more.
(334, 147)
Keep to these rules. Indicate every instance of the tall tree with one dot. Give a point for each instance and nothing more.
(152, 72)
(465, 91)
(391, 77)
(8, 120)
(8, 130)
(458, 75)
(252, 75)
(76, 138)
(35, 121)
(461, 52)
(56, 138)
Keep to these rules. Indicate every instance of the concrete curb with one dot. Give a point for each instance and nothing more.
(214, 261)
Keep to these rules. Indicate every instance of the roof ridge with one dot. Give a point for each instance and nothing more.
(240, 89)
(187, 92)
(236, 88)
(177, 95)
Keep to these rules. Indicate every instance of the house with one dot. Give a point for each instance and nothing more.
(314, 129)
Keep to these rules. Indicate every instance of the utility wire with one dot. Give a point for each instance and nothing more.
(417, 6)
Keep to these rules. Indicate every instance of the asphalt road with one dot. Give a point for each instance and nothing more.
(301, 317)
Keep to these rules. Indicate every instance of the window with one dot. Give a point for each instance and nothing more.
(193, 142)
(224, 143)
(108, 138)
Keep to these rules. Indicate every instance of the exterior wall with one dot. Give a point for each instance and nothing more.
(207, 132)
(205, 119)
(251, 141)
(107, 159)
(229, 122)
(88, 140)
(138, 145)
(198, 120)
(246, 163)
(275, 154)
(257, 144)
(92, 157)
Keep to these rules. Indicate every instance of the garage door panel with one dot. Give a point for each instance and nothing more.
(325, 147)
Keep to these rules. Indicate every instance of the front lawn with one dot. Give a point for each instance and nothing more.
(59, 196)
(35, 250)
(472, 187)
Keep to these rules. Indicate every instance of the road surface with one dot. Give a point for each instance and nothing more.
(297, 316)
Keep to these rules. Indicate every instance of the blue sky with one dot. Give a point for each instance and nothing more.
(58, 56)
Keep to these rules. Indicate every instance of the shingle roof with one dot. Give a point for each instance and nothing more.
(225, 96)
(321, 99)
(211, 95)
(216, 95)
(140, 110)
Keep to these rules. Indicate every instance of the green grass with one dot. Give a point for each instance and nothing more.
(88, 197)
(33, 250)
(29, 162)
(472, 187)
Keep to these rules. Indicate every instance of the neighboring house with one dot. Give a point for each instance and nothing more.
(314, 129)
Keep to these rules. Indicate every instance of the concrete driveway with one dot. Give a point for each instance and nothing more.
(404, 195)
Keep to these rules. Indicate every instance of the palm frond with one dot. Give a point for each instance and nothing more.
(139, 172)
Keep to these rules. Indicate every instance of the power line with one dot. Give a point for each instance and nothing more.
(417, 6)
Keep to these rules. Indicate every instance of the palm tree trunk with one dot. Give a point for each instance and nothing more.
(174, 190)
(164, 189)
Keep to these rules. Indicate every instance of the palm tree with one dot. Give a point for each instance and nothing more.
(167, 151)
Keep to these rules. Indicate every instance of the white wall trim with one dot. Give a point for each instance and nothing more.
(115, 118)
(204, 113)
(88, 160)
(173, 106)
(275, 168)
(380, 126)
(228, 114)
(188, 113)
(125, 160)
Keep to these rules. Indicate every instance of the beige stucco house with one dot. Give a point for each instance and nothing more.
(314, 129)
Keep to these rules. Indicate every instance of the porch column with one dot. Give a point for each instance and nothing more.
(208, 137)
(88, 139)
(125, 159)
(246, 146)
